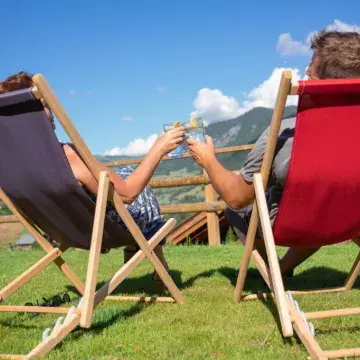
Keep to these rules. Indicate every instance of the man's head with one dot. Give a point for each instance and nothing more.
(20, 81)
(336, 55)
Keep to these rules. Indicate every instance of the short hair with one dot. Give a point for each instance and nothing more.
(339, 54)
(19, 81)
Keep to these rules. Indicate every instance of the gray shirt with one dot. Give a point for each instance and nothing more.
(279, 167)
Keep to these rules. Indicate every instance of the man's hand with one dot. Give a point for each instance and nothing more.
(203, 153)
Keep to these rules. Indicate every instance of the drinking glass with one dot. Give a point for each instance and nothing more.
(195, 129)
(178, 151)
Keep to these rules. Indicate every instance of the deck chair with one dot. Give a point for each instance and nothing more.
(38, 186)
(320, 202)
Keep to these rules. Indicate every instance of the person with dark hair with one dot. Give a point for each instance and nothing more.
(335, 55)
(131, 185)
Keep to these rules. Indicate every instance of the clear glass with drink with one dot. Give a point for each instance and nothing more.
(178, 151)
(195, 129)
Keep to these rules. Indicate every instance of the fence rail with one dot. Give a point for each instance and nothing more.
(186, 155)
(212, 206)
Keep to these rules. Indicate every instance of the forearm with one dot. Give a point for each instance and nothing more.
(231, 187)
(137, 181)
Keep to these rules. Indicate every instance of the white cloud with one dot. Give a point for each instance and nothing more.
(338, 25)
(286, 45)
(136, 147)
(73, 92)
(127, 118)
(161, 88)
(213, 105)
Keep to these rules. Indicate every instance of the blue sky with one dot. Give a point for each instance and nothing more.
(124, 68)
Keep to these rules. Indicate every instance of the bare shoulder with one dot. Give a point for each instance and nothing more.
(71, 154)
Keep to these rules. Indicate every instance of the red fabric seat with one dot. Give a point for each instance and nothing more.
(321, 199)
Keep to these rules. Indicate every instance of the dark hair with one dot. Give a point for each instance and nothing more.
(19, 81)
(339, 54)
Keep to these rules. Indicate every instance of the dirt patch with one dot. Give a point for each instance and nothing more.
(10, 232)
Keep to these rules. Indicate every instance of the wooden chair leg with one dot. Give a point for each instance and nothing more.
(278, 286)
(30, 273)
(95, 250)
(249, 247)
(49, 343)
(122, 273)
(353, 275)
(149, 253)
(44, 244)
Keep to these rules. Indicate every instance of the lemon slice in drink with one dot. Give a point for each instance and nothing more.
(176, 123)
(193, 122)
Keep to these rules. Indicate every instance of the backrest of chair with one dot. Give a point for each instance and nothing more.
(35, 175)
(320, 202)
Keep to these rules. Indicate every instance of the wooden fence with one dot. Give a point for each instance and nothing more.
(211, 205)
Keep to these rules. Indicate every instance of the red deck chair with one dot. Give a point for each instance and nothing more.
(320, 203)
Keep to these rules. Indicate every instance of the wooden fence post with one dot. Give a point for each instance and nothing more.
(213, 225)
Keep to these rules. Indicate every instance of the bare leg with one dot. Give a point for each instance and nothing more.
(294, 257)
(130, 251)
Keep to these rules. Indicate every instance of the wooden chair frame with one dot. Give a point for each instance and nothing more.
(82, 314)
(290, 318)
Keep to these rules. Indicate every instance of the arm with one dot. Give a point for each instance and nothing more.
(232, 188)
(236, 190)
(128, 189)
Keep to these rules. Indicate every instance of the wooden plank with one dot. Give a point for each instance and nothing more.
(54, 338)
(186, 155)
(354, 274)
(193, 207)
(8, 219)
(294, 88)
(311, 345)
(37, 309)
(284, 89)
(332, 313)
(342, 353)
(264, 296)
(212, 218)
(29, 273)
(44, 244)
(179, 181)
(142, 299)
(122, 273)
(95, 249)
(278, 287)
(182, 181)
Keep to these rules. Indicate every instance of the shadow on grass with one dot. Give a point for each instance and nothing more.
(136, 285)
(315, 278)
(320, 277)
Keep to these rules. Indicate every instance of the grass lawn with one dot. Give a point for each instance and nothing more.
(208, 325)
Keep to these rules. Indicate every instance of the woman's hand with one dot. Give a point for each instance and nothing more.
(203, 153)
(169, 140)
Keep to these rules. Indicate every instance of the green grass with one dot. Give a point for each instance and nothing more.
(208, 325)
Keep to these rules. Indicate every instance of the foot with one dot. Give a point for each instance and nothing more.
(288, 274)
(128, 254)
(159, 286)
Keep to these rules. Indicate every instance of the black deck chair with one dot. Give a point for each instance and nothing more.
(38, 186)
